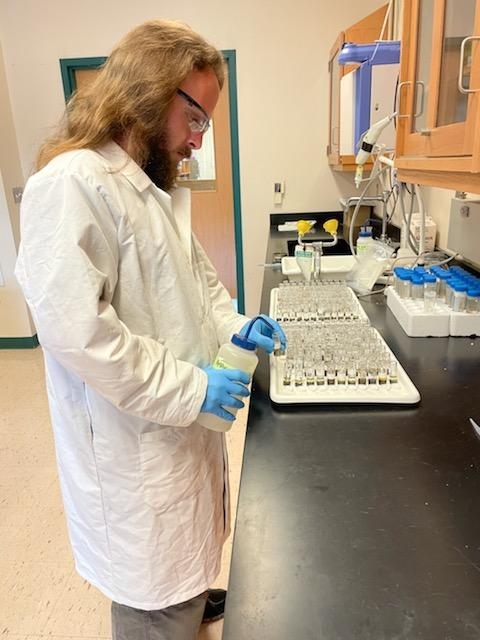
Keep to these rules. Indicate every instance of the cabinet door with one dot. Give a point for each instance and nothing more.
(335, 73)
(441, 117)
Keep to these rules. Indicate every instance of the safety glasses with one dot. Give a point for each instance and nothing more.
(197, 117)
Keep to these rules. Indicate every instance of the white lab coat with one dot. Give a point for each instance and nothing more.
(128, 308)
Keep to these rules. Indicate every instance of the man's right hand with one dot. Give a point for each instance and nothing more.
(223, 386)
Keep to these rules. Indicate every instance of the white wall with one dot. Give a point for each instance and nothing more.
(282, 51)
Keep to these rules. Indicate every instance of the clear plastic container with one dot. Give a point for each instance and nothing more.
(239, 353)
(397, 279)
(429, 293)
(472, 304)
(364, 242)
(459, 297)
(443, 277)
(450, 290)
(417, 287)
(404, 284)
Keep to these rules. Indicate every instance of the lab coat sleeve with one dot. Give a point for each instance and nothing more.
(226, 320)
(67, 267)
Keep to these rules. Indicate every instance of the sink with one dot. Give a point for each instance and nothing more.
(331, 267)
(342, 247)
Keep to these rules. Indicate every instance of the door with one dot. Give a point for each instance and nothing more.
(216, 209)
(209, 176)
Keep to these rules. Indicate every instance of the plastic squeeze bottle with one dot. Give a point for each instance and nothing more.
(364, 242)
(239, 353)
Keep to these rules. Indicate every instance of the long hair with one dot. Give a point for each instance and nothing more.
(133, 90)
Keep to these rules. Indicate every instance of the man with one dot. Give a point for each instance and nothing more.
(130, 313)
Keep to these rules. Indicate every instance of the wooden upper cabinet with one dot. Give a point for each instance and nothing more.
(363, 32)
(438, 128)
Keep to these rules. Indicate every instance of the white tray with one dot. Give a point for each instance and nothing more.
(332, 267)
(401, 392)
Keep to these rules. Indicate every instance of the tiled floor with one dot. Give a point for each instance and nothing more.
(40, 593)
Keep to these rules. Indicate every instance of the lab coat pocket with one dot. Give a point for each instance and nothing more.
(172, 469)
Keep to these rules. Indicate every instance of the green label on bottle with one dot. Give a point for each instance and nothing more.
(220, 363)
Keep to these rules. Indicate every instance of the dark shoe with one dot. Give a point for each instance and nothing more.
(215, 606)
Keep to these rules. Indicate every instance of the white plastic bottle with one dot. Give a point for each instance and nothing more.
(239, 353)
(364, 242)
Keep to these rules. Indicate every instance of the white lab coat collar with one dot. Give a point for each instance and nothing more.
(120, 161)
(176, 205)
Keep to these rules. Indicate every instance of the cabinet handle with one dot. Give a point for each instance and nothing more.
(397, 93)
(337, 141)
(461, 88)
(422, 84)
(397, 98)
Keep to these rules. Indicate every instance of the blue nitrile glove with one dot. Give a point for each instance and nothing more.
(261, 331)
(223, 385)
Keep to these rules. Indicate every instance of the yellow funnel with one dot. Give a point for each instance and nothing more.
(303, 227)
(331, 227)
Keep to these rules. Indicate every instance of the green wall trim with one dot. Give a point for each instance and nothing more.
(68, 66)
(19, 343)
(230, 58)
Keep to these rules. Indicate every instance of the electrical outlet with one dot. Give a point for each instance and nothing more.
(17, 194)
(278, 191)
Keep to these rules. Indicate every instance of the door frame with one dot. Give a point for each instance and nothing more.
(68, 67)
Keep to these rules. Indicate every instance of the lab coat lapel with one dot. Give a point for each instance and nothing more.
(181, 206)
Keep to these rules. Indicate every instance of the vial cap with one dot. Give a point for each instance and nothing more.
(444, 275)
(429, 277)
(460, 286)
(243, 342)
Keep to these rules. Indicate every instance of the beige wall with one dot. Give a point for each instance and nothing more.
(282, 51)
(14, 317)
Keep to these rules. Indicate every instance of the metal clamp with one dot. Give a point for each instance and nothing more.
(461, 88)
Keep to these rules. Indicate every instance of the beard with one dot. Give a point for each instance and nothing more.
(160, 167)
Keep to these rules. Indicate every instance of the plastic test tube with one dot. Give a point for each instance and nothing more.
(443, 278)
(459, 296)
(473, 300)
(429, 292)
(417, 287)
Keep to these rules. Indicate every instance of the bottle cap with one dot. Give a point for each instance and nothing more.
(429, 277)
(243, 342)
(443, 274)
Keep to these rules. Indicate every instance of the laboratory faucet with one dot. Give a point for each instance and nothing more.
(317, 246)
(356, 200)
(330, 227)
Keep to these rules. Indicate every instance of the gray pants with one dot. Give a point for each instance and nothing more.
(178, 622)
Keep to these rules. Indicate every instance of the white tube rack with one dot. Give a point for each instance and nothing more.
(399, 390)
(442, 322)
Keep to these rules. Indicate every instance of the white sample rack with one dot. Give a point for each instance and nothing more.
(441, 322)
(331, 372)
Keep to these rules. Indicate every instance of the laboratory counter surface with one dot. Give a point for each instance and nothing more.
(359, 522)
